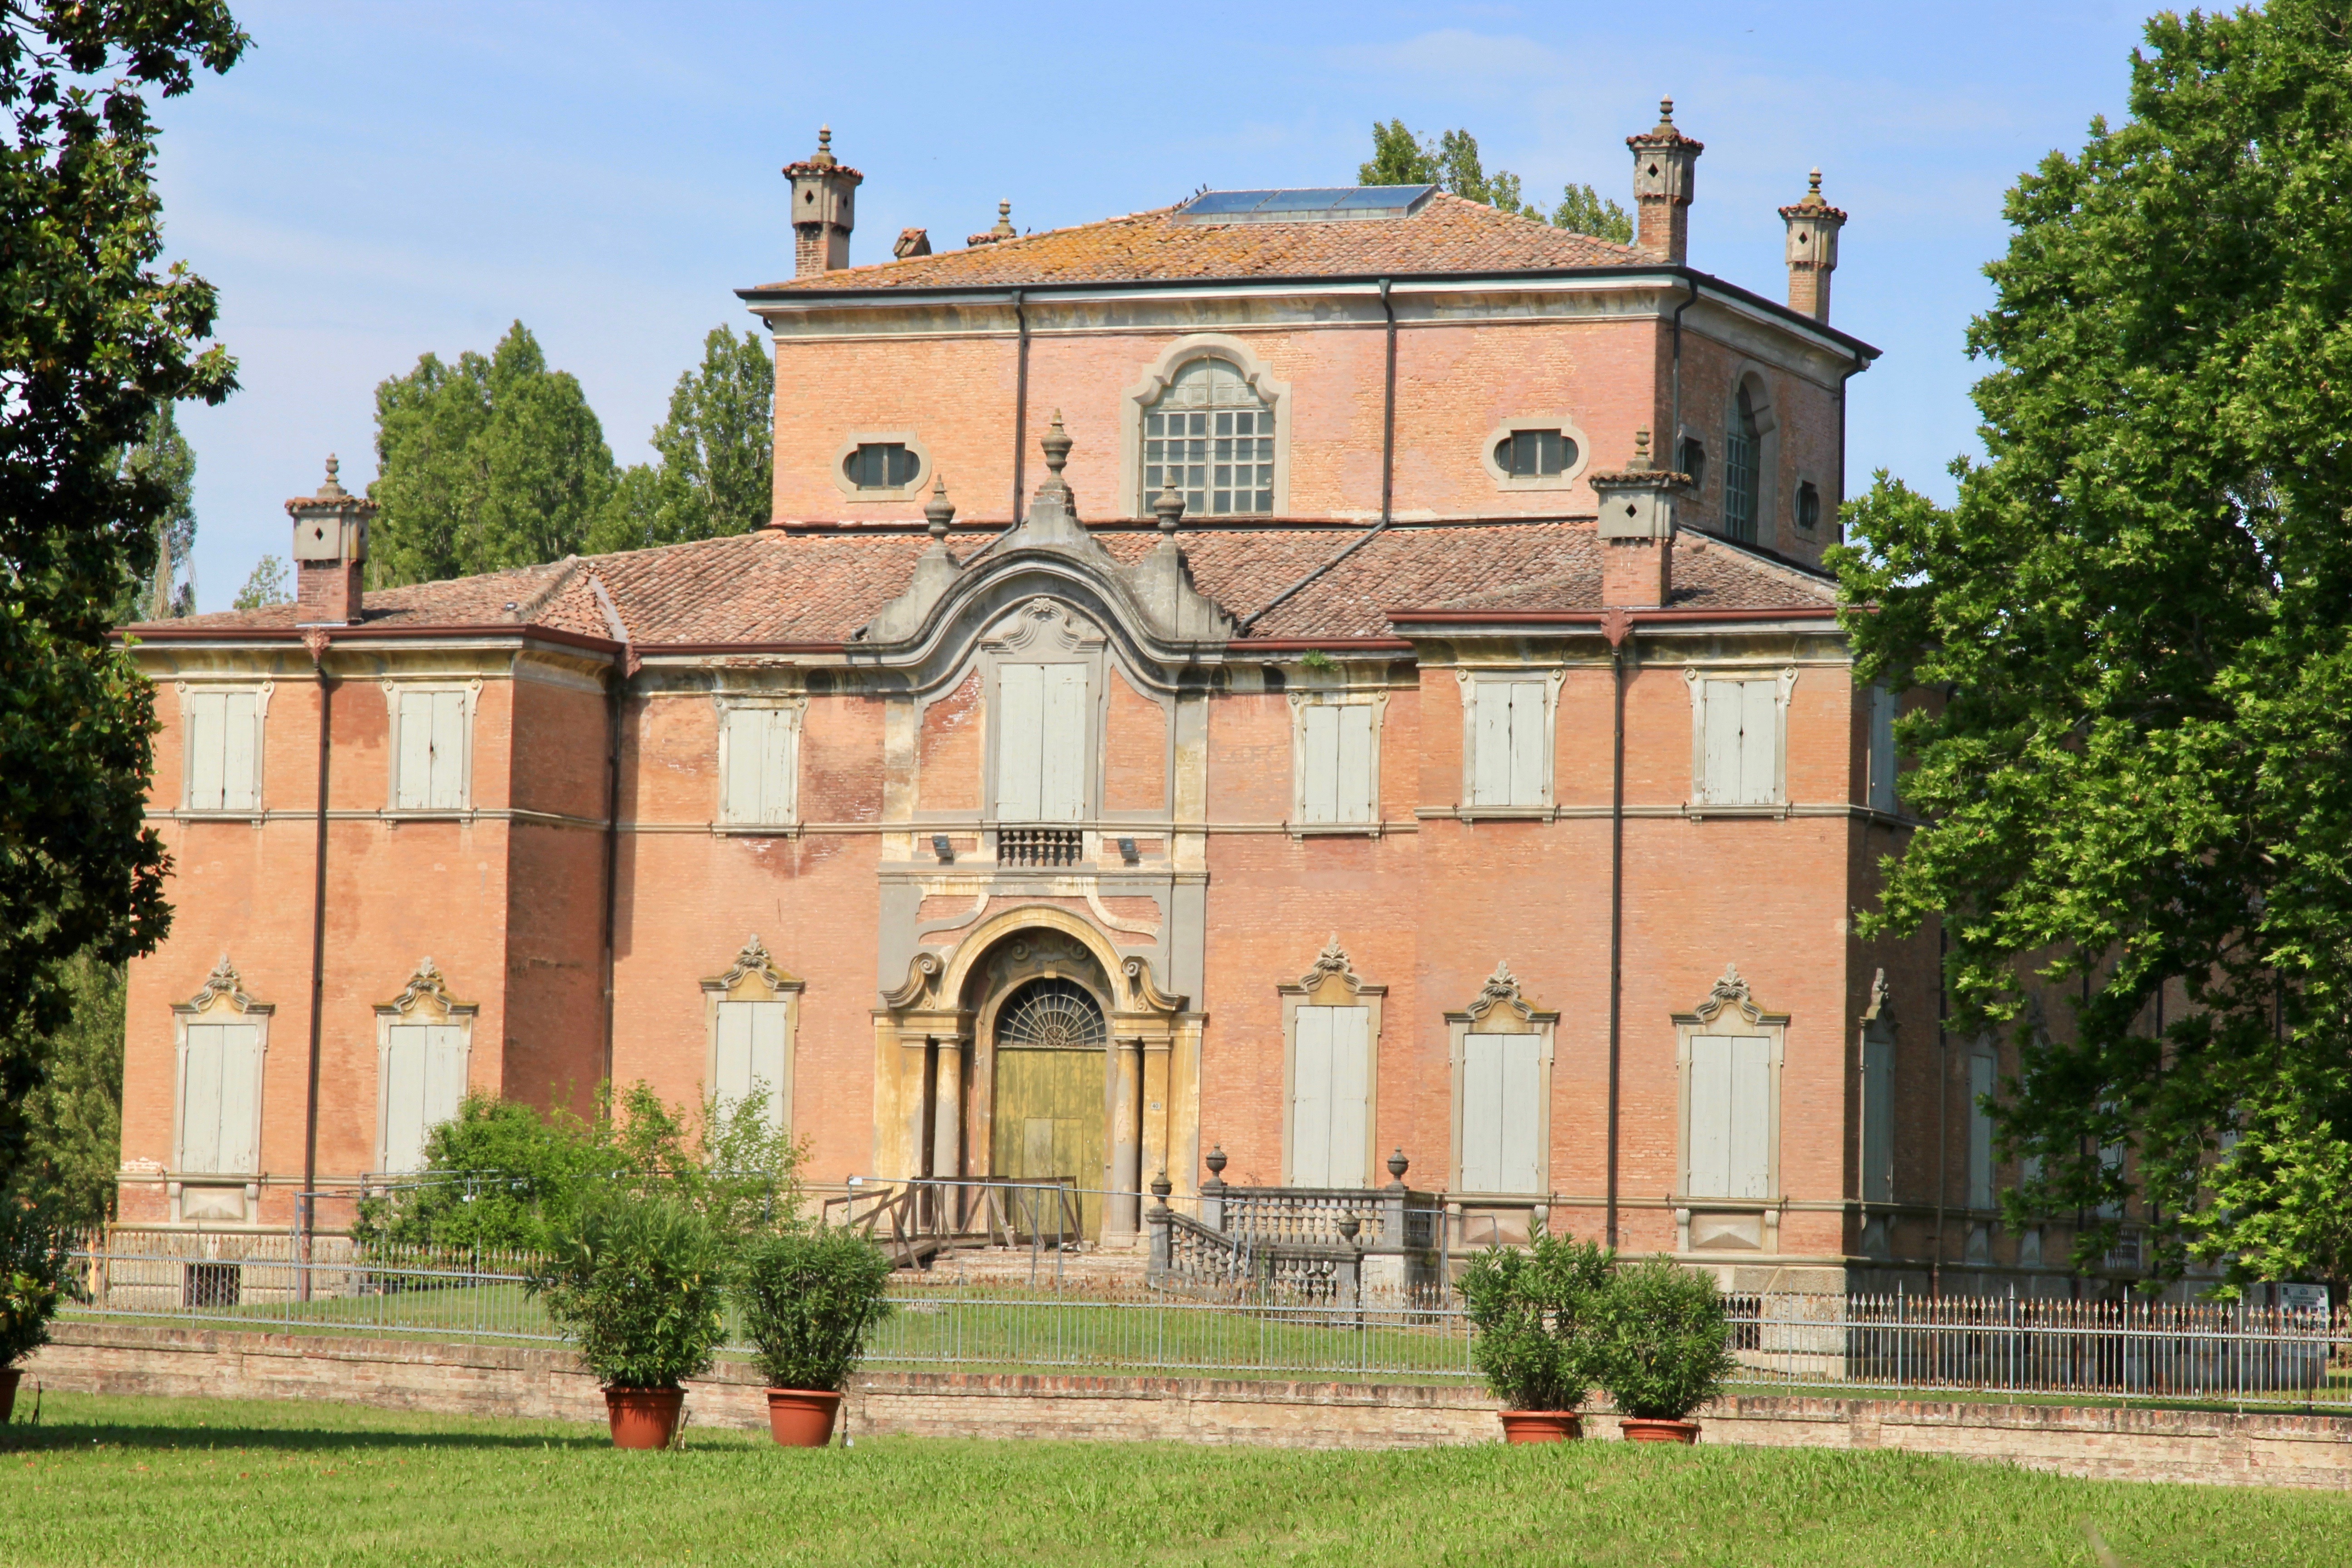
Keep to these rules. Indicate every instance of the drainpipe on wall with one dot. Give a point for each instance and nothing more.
(1619, 628)
(1388, 411)
(316, 641)
(624, 665)
(1943, 1107)
(1020, 403)
(1670, 450)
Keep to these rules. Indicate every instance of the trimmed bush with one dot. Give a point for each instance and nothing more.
(809, 1300)
(1534, 1312)
(1664, 1339)
(34, 1265)
(639, 1284)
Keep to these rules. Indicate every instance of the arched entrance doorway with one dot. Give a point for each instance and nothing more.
(1049, 1045)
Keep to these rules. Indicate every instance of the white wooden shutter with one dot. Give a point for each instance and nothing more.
(403, 1096)
(1759, 740)
(200, 1099)
(1350, 1095)
(206, 750)
(1481, 1113)
(1062, 762)
(747, 763)
(752, 1050)
(219, 1107)
(447, 790)
(779, 774)
(1878, 1121)
(1725, 1150)
(1490, 778)
(1526, 742)
(1311, 1099)
(1357, 785)
(1719, 784)
(412, 769)
(1517, 1154)
(1982, 1071)
(1020, 741)
(1751, 1116)
(1319, 763)
(1882, 748)
(444, 1076)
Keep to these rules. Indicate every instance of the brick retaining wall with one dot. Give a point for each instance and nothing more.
(2129, 1443)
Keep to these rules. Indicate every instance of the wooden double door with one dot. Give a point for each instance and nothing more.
(1051, 1100)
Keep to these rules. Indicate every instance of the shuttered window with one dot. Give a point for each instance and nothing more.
(1982, 1072)
(223, 750)
(1329, 1096)
(424, 1085)
(220, 1087)
(1502, 1088)
(759, 763)
(432, 761)
(1739, 764)
(1041, 749)
(1336, 763)
(1507, 743)
(1730, 1116)
(1878, 1121)
(750, 1055)
(1882, 748)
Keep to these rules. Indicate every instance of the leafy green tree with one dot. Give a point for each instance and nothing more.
(2138, 615)
(496, 461)
(267, 586)
(1402, 158)
(74, 1117)
(164, 455)
(93, 339)
(714, 455)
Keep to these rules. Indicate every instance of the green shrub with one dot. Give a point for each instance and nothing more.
(1534, 1312)
(639, 1282)
(34, 1265)
(810, 1297)
(1664, 1339)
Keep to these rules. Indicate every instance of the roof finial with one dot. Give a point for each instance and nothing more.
(1057, 445)
(1665, 111)
(1815, 190)
(1168, 504)
(1641, 450)
(333, 486)
(1003, 228)
(938, 511)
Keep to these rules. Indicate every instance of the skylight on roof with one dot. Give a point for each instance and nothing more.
(1328, 204)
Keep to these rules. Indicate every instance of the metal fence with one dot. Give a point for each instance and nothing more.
(2205, 1352)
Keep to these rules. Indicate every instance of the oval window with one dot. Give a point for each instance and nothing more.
(1535, 454)
(881, 466)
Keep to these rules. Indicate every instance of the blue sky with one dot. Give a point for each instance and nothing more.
(375, 181)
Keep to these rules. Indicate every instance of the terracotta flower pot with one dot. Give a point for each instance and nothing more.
(1541, 1425)
(644, 1418)
(1638, 1430)
(803, 1417)
(8, 1376)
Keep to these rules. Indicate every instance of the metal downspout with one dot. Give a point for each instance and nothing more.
(1020, 403)
(1670, 450)
(309, 1201)
(1619, 631)
(615, 704)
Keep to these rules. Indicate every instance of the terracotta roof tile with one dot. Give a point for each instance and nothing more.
(1449, 234)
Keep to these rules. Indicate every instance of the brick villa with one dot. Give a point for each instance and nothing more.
(1310, 672)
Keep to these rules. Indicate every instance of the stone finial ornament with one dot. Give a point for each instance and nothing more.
(332, 489)
(938, 511)
(1057, 445)
(1168, 506)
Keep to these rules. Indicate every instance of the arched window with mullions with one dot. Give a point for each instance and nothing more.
(1212, 437)
(1742, 454)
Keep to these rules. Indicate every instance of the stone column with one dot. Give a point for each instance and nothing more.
(947, 1119)
(1123, 1214)
(914, 1085)
(1155, 1054)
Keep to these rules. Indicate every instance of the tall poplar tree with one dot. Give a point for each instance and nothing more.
(94, 337)
(2138, 619)
(714, 465)
(1401, 158)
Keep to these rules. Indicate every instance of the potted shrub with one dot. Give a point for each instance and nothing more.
(638, 1282)
(1534, 1314)
(33, 1265)
(810, 1297)
(1665, 1348)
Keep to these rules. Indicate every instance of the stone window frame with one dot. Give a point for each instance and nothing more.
(1138, 400)
(754, 977)
(1745, 1016)
(1332, 695)
(223, 991)
(424, 999)
(1765, 408)
(1042, 631)
(188, 687)
(1500, 1008)
(1797, 491)
(795, 706)
(1567, 478)
(1695, 677)
(877, 437)
(393, 690)
(1331, 981)
(1469, 677)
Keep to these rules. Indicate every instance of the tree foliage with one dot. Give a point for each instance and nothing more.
(638, 1280)
(1537, 1313)
(493, 462)
(73, 1118)
(164, 455)
(2138, 615)
(810, 1297)
(1402, 158)
(1663, 1340)
(267, 586)
(93, 339)
(714, 457)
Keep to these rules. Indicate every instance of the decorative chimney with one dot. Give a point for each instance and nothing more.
(331, 536)
(825, 200)
(1665, 163)
(1814, 227)
(1637, 531)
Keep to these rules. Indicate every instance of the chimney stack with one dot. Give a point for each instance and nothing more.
(1814, 227)
(1637, 531)
(824, 192)
(331, 536)
(1663, 166)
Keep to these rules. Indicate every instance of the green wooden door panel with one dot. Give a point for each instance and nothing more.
(1049, 1122)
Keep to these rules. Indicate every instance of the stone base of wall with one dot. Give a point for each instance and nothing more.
(2129, 1443)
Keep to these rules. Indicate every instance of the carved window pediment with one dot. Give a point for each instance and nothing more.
(426, 999)
(1501, 1009)
(222, 989)
(1043, 628)
(753, 977)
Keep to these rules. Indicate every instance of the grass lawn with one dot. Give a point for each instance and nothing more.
(139, 1482)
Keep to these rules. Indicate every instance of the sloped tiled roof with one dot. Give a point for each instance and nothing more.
(796, 587)
(1449, 234)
